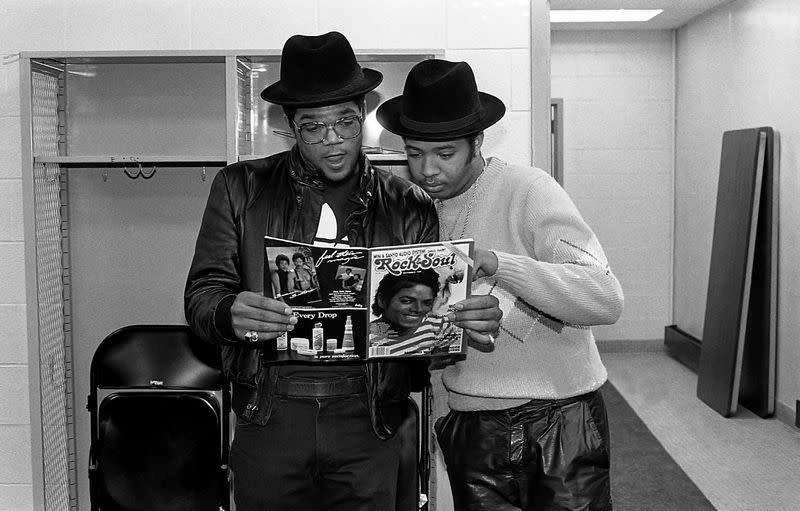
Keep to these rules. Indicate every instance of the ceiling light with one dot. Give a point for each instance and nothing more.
(602, 15)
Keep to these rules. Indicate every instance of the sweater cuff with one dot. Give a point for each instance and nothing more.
(222, 318)
(508, 266)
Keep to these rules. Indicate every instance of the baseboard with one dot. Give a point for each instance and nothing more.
(629, 345)
(785, 414)
(682, 346)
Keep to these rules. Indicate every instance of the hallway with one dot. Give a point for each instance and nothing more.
(743, 463)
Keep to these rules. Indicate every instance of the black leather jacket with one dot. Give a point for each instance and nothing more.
(281, 196)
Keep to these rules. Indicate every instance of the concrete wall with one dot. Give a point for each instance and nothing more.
(617, 88)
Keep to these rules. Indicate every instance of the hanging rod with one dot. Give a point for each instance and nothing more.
(123, 159)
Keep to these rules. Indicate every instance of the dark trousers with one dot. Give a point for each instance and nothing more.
(315, 453)
(543, 455)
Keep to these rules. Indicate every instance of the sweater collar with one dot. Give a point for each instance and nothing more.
(492, 168)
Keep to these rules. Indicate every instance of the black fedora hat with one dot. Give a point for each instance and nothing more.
(440, 101)
(319, 70)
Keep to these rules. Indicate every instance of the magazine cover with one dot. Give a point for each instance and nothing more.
(412, 290)
(357, 303)
(326, 289)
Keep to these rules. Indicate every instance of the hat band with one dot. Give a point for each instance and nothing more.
(443, 125)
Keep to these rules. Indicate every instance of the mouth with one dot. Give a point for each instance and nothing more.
(432, 187)
(336, 160)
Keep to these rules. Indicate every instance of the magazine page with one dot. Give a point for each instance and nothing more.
(326, 288)
(411, 290)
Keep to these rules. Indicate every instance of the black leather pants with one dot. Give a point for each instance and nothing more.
(543, 455)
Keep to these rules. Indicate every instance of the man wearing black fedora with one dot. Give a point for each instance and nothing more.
(318, 436)
(527, 426)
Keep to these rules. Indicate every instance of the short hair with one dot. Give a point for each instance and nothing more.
(281, 257)
(471, 143)
(392, 284)
(299, 255)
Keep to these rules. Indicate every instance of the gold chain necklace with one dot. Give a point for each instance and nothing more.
(462, 219)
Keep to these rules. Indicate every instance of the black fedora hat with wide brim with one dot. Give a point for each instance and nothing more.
(440, 101)
(320, 70)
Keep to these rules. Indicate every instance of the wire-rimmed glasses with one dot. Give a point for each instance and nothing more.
(345, 128)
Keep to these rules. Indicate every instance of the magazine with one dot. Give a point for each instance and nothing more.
(356, 303)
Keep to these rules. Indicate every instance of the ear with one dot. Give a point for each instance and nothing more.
(478, 143)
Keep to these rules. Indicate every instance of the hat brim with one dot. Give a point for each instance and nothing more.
(277, 94)
(389, 116)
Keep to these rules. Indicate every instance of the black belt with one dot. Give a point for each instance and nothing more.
(299, 388)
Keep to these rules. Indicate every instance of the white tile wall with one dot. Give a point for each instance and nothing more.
(129, 25)
(11, 210)
(488, 24)
(249, 24)
(618, 163)
(510, 138)
(13, 334)
(15, 451)
(32, 25)
(15, 442)
(9, 86)
(637, 185)
(521, 80)
(15, 497)
(11, 156)
(12, 261)
(406, 24)
(494, 67)
(14, 407)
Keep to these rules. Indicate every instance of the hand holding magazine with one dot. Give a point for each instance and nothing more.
(358, 303)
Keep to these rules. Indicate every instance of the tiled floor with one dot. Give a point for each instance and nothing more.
(743, 463)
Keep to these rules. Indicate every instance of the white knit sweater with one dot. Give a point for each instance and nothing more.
(553, 282)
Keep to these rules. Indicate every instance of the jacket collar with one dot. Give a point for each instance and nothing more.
(305, 174)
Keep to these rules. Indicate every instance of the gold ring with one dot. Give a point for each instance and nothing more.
(251, 335)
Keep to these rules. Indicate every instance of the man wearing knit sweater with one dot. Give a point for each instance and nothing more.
(527, 427)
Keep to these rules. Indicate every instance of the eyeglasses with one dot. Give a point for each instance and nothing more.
(315, 132)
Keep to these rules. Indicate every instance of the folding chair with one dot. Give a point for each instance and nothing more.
(159, 407)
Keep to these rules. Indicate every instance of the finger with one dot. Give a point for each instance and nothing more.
(257, 301)
(481, 338)
(481, 327)
(477, 302)
(262, 326)
(263, 315)
(262, 335)
(492, 315)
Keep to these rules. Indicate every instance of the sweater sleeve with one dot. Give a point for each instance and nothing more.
(566, 274)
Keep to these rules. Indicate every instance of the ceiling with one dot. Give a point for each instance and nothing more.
(676, 13)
